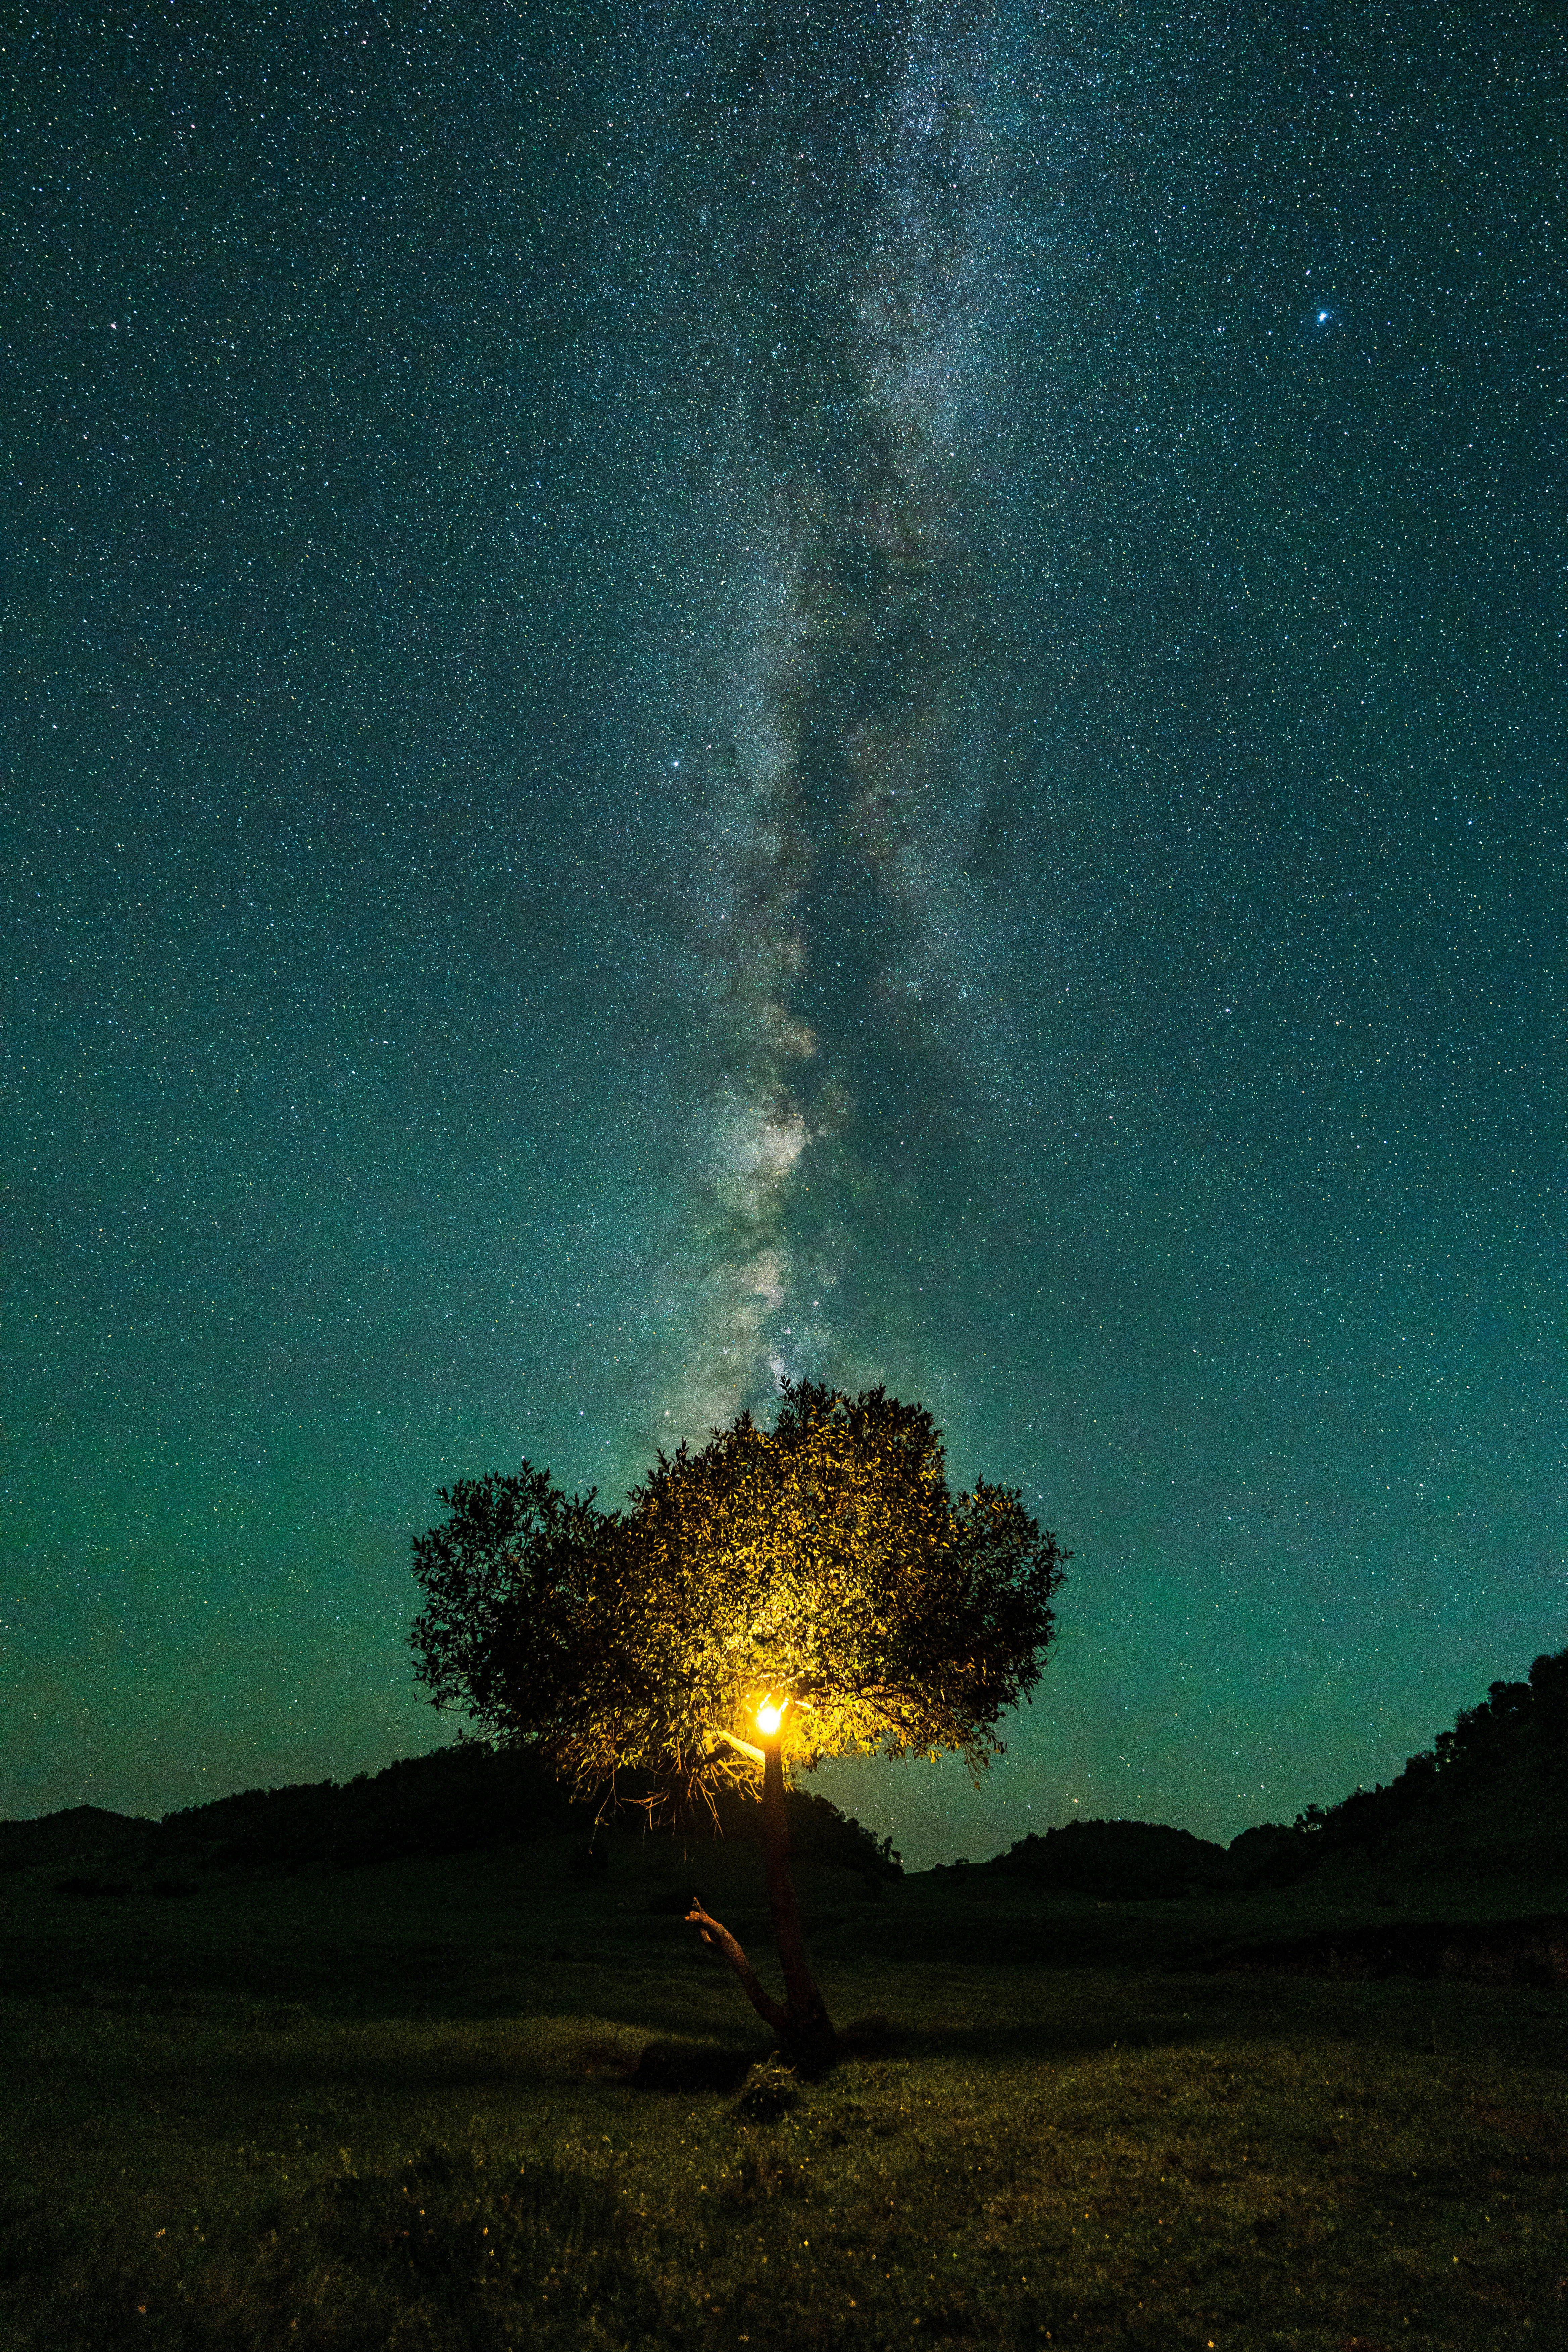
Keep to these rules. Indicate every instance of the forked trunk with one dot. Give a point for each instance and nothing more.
(804, 2028)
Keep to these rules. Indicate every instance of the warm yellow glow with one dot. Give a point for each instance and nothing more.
(769, 1718)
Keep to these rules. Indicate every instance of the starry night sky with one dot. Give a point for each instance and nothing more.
(873, 691)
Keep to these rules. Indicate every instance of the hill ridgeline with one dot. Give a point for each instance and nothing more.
(1490, 1796)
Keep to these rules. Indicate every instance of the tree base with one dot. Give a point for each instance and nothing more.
(810, 2046)
(805, 2032)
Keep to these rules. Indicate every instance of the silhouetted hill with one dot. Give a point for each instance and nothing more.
(1118, 1859)
(459, 1799)
(82, 1835)
(1490, 1796)
(455, 1800)
(1492, 1793)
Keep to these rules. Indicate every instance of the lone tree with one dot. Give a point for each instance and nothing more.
(780, 1596)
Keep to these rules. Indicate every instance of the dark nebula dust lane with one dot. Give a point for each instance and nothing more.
(697, 693)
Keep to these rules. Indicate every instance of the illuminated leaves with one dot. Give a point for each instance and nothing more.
(824, 1558)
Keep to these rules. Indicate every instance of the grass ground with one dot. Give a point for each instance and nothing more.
(393, 2109)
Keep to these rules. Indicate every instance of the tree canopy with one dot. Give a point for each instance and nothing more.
(822, 1564)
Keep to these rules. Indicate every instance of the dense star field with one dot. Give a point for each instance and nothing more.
(863, 691)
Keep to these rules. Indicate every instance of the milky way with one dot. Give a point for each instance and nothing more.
(844, 192)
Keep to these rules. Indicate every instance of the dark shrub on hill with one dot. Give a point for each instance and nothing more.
(1269, 1855)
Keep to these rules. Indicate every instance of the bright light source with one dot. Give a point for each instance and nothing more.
(769, 1718)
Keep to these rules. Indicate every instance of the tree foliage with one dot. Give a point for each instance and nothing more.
(823, 1562)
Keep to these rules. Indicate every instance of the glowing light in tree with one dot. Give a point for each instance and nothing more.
(769, 1718)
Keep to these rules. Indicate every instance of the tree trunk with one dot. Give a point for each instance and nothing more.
(808, 2035)
(804, 2028)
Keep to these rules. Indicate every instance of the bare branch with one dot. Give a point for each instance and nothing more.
(719, 1939)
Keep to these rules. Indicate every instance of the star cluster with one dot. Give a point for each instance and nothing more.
(698, 693)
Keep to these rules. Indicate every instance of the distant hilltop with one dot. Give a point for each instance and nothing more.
(1490, 1796)
(1487, 1797)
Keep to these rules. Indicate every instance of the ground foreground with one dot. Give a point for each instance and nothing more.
(488, 2103)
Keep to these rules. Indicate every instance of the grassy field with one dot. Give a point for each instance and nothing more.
(404, 2108)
